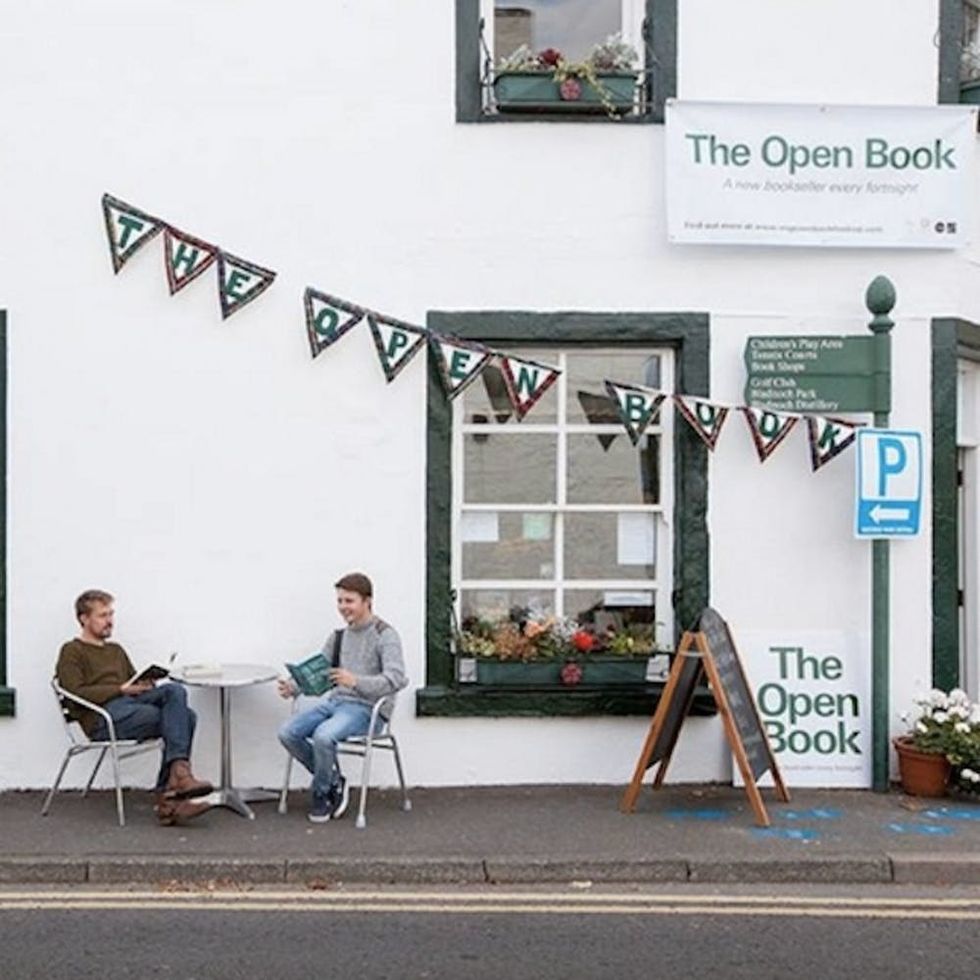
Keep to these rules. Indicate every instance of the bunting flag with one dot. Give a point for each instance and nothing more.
(496, 389)
(828, 438)
(128, 228)
(705, 417)
(328, 319)
(459, 362)
(526, 381)
(637, 406)
(768, 429)
(397, 342)
(186, 257)
(599, 410)
(239, 282)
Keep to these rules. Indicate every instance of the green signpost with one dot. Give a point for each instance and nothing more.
(818, 375)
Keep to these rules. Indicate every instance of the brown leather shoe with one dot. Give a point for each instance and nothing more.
(182, 784)
(171, 811)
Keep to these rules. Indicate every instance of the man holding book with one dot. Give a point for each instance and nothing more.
(360, 664)
(99, 671)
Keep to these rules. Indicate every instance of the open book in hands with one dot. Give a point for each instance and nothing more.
(152, 672)
(311, 676)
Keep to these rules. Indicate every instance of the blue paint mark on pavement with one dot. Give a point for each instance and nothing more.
(954, 813)
(921, 828)
(785, 833)
(698, 814)
(818, 813)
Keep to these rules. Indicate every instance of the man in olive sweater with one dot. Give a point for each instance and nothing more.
(370, 667)
(99, 671)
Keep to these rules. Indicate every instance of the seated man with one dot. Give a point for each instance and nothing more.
(370, 667)
(99, 671)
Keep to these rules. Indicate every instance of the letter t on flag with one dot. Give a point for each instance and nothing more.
(637, 406)
(526, 381)
(128, 229)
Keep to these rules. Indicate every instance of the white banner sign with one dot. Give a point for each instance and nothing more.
(813, 689)
(860, 176)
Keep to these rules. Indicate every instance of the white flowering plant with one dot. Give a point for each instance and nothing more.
(949, 724)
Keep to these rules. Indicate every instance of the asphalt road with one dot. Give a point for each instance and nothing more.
(558, 933)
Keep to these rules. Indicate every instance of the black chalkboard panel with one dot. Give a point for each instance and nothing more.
(687, 674)
(744, 713)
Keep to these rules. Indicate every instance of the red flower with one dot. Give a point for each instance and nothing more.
(583, 641)
(549, 57)
(570, 90)
(571, 674)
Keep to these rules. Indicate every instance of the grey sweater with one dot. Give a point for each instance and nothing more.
(373, 654)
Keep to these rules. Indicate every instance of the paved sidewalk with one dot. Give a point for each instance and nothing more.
(505, 835)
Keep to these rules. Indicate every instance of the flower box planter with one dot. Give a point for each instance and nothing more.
(536, 91)
(970, 92)
(605, 671)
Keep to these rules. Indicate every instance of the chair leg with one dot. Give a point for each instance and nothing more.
(406, 802)
(54, 789)
(95, 769)
(119, 795)
(361, 822)
(284, 792)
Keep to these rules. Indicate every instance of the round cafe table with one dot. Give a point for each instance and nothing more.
(224, 677)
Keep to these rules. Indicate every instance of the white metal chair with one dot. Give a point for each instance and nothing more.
(364, 746)
(79, 743)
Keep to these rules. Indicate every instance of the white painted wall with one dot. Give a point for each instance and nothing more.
(218, 481)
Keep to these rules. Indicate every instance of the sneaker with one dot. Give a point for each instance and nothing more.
(320, 808)
(339, 797)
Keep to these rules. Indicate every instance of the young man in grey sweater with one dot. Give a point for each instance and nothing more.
(370, 666)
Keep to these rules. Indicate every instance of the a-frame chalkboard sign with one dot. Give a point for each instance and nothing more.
(709, 653)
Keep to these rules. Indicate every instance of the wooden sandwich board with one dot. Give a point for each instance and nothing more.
(709, 652)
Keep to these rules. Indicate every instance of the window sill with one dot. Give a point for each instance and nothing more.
(7, 702)
(546, 116)
(548, 701)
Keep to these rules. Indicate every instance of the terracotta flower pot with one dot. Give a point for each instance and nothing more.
(922, 773)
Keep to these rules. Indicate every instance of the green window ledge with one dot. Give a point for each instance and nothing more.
(7, 702)
(468, 701)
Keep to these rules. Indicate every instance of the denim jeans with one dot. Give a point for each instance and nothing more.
(311, 737)
(159, 712)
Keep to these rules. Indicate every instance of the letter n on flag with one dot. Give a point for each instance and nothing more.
(526, 381)
(396, 342)
(637, 406)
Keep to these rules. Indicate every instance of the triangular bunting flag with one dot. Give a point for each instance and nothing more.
(128, 228)
(526, 381)
(239, 282)
(328, 319)
(496, 389)
(768, 429)
(397, 342)
(637, 406)
(599, 410)
(828, 438)
(705, 417)
(459, 362)
(186, 258)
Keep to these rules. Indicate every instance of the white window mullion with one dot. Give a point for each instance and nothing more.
(561, 485)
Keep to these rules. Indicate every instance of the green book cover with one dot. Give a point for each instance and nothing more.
(312, 676)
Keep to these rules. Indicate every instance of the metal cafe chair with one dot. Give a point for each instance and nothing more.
(79, 743)
(364, 746)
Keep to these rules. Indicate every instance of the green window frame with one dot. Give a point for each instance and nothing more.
(659, 62)
(688, 336)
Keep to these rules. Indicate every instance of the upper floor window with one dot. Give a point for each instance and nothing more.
(583, 60)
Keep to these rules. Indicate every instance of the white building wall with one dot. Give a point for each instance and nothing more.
(218, 481)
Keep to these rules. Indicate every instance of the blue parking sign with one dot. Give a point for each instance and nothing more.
(889, 483)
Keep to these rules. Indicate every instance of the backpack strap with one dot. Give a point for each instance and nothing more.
(338, 636)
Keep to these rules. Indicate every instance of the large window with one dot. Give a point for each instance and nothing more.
(561, 515)
(492, 86)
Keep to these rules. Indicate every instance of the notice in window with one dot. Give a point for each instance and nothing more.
(635, 535)
(536, 527)
(480, 526)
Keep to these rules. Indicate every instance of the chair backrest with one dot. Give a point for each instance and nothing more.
(73, 729)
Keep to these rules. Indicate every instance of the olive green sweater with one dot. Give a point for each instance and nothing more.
(94, 672)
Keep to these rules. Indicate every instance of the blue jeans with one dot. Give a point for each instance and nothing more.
(158, 713)
(311, 737)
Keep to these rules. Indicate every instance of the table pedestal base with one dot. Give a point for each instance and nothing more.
(238, 799)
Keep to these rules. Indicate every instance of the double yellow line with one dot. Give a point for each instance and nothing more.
(494, 902)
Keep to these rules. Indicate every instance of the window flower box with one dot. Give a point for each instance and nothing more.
(535, 91)
(596, 670)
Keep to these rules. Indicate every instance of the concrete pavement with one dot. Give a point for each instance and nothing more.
(685, 833)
